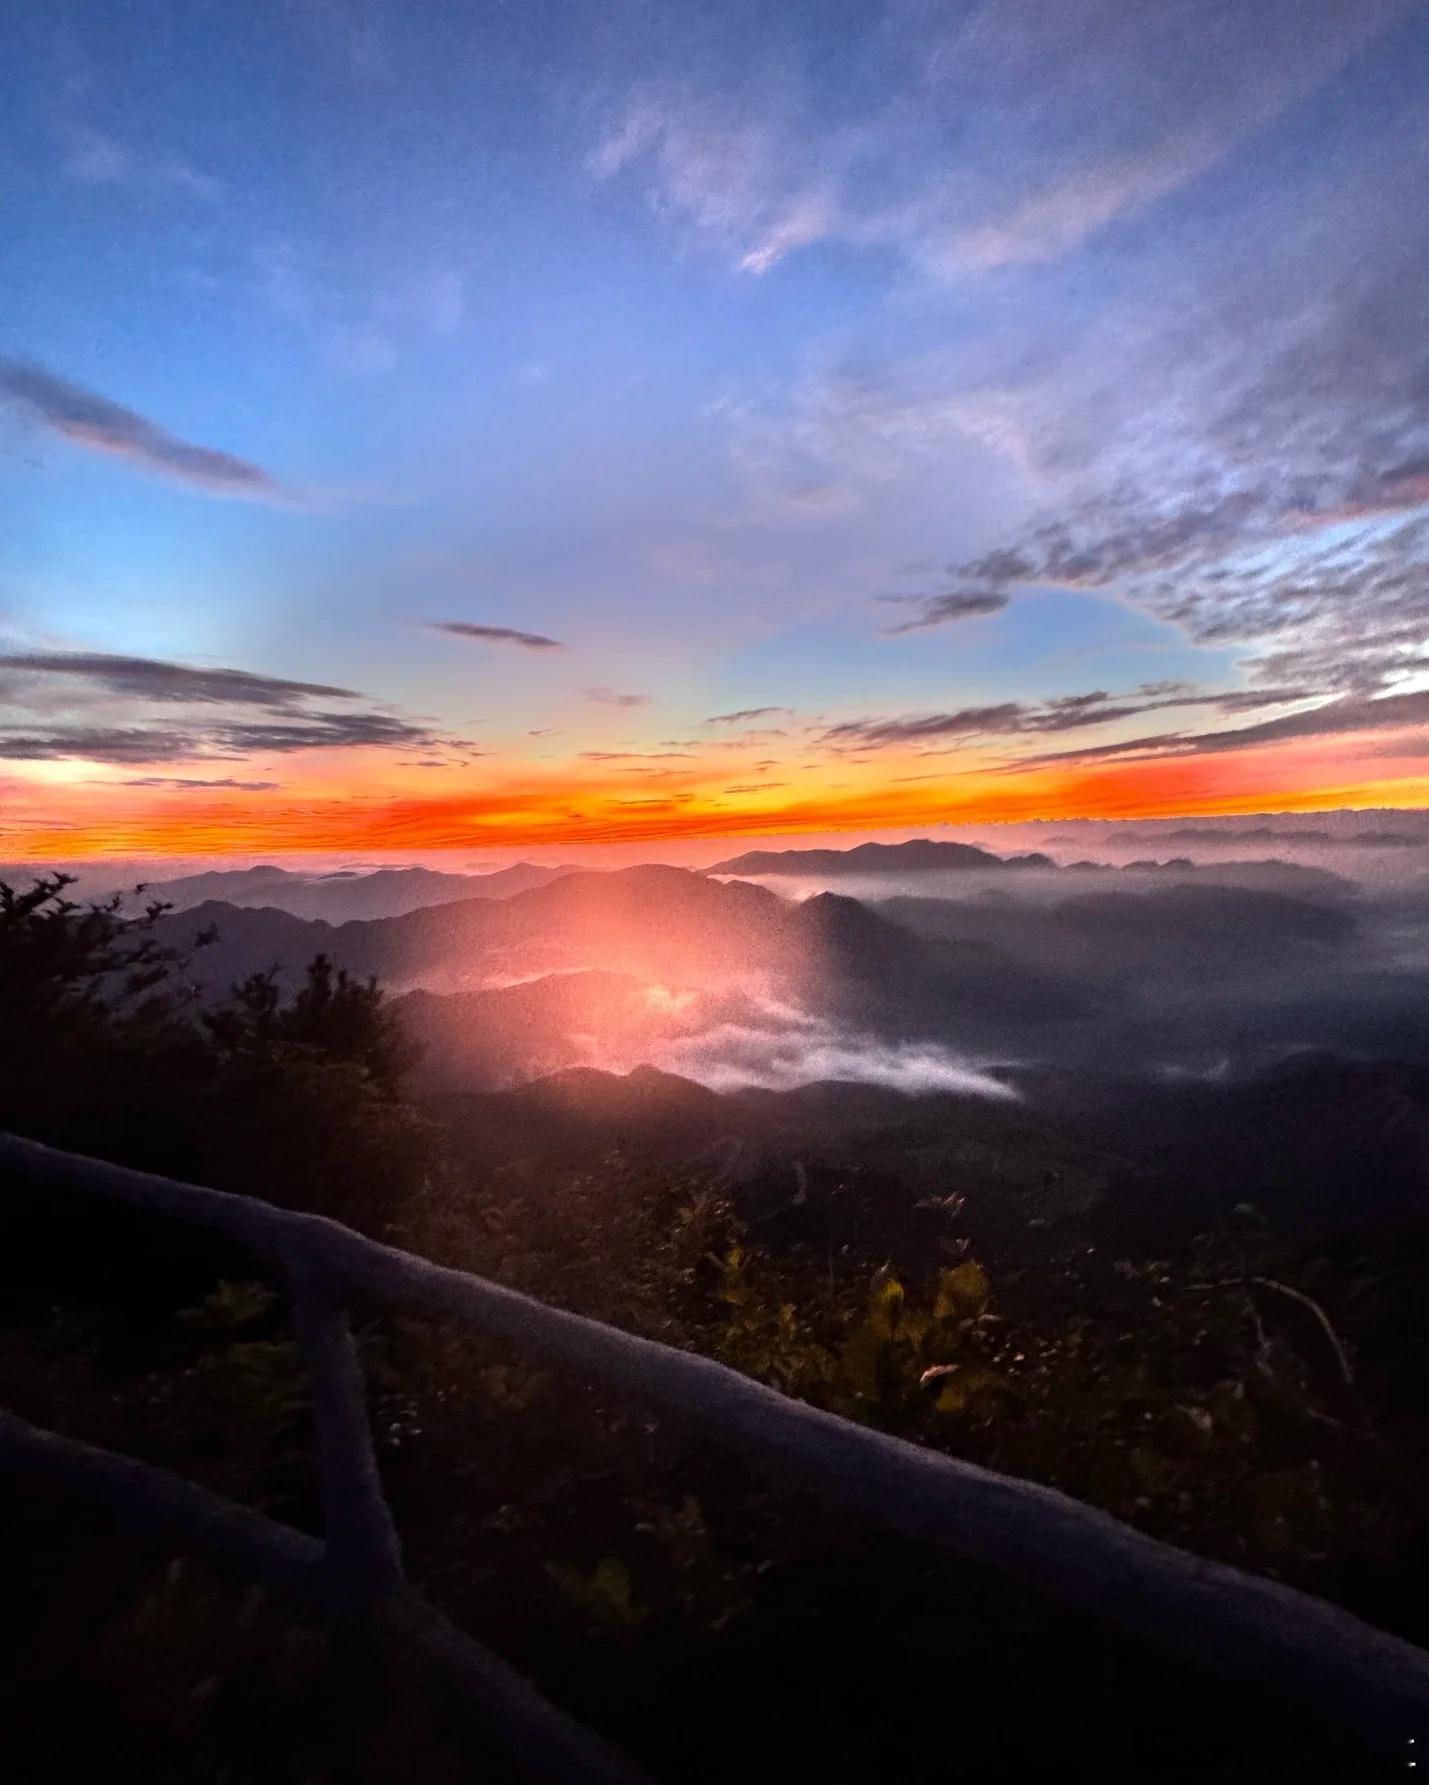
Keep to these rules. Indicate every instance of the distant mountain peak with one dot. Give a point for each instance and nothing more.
(919, 855)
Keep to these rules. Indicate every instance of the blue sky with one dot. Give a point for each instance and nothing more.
(716, 343)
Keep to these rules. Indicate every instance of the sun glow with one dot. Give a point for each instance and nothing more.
(668, 1003)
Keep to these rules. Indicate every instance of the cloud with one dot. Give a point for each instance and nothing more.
(1247, 72)
(326, 731)
(186, 781)
(92, 743)
(965, 722)
(109, 707)
(745, 713)
(152, 678)
(608, 697)
(1238, 444)
(497, 635)
(94, 155)
(635, 755)
(798, 1049)
(95, 422)
(364, 324)
(74, 99)
(1335, 718)
(97, 158)
(1067, 712)
(938, 610)
(720, 168)
(1234, 442)
(226, 742)
(1074, 114)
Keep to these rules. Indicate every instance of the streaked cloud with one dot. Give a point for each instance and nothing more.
(94, 422)
(745, 714)
(150, 678)
(1068, 712)
(99, 707)
(940, 610)
(189, 782)
(1334, 718)
(611, 697)
(496, 635)
(636, 755)
(1080, 114)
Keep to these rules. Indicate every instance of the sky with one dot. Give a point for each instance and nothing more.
(536, 425)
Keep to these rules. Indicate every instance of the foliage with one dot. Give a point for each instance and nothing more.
(107, 1050)
(1233, 1397)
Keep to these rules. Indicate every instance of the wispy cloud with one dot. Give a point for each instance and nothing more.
(745, 714)
(940, 610)
(222, 742)
(151, 678)
(189, 782)
(91, 150)
(724, 170)
(97, 707)
(99, 158)
(1082, 113)
(611, 697)
(94, 422)
(368, 325)
(1067, 712)
(1335, 718)
(1239, 445)
(635, 755)
(496, 635)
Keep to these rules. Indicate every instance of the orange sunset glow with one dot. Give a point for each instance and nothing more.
(72, 818)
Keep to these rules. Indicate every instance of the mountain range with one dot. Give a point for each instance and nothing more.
(919, 856)
(348, 893)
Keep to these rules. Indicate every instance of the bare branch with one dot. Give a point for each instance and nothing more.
(1332, 1338)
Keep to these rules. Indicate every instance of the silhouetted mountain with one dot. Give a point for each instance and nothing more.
(348, 893)
(614, 967)
(918, 856)
(855, 963)
(1178, 931)
(657, 922)
(643, 1098)
(890, 861)
(1309, 837)
(1325, 1148)
(730, 981)
(875, 1165)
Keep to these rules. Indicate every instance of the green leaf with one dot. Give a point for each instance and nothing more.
(605, 1593)
(962, 1291)
(885, 1306)
(963, 1388)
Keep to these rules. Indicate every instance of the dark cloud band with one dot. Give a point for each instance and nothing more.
(92, 421)
(496, 635)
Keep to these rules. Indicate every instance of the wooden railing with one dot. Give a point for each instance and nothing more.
(1255, 1631)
